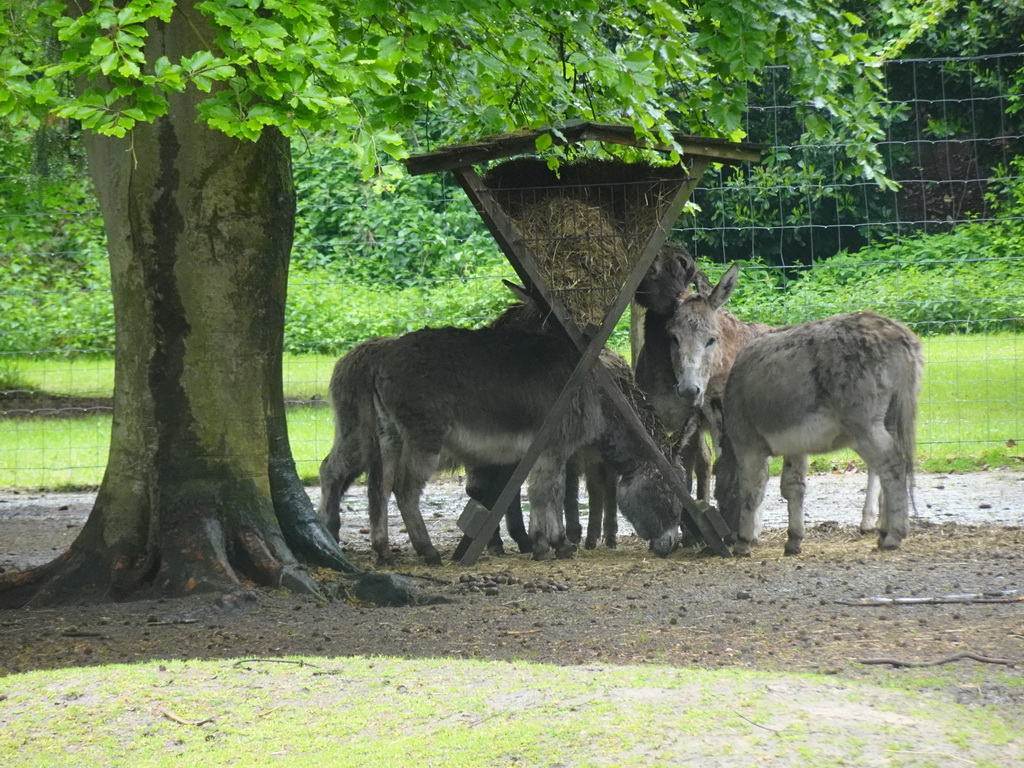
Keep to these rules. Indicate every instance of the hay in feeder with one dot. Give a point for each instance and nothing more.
(579, 252)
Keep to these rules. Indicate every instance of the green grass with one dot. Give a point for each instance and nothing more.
(971, 414)
(63, 454)
(434, 712)
(305, 376)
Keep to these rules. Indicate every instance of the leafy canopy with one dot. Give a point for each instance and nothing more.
(369, 68)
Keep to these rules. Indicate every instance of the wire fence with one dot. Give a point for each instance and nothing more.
(815, 237)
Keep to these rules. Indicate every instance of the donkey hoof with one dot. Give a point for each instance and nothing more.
(498, 550)
(566, 552)
(888, 543)
(741, 548)
(792, 548)
(432, 557)
(542, 550)
(590, 544)
(611, 543)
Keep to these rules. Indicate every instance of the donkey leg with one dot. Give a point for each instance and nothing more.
(546, 491)
(592, 469)
(571, 501)
(702, 468)
(880, 452)
(686, 457)
(380, 479)
(336, 475)
(611, 512)
(752, 476)
(894, 507)
(596, 516)
(793, 485)
(516, 526)
(416, 469)
(693, 455)
(869, 515)
(602, 488)
(484, 484)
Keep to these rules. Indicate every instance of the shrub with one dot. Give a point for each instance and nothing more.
(326, 316)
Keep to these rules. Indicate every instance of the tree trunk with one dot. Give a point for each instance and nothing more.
(200, 489)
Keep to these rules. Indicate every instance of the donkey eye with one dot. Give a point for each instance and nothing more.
(711, 342)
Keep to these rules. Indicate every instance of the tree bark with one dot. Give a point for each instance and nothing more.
(200, 491)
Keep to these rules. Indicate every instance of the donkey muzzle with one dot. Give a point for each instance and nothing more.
(693, 394)
(666, 544)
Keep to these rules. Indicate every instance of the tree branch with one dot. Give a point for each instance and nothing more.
(938, 662)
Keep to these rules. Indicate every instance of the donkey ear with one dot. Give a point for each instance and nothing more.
(689, 273)
(519, 292)
(721, 292)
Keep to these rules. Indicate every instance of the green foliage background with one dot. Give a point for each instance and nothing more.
(368, 264)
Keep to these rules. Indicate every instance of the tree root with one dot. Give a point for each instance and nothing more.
(937, 662)
(303, 531)
(201, 553)
(383, 589)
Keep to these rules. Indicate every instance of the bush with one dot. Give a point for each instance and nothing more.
(327, 317)
(423, 227)
(55, 302)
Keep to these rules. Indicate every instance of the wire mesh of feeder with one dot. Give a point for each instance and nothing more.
(586, 224)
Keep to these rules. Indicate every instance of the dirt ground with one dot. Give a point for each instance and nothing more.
(618, 606)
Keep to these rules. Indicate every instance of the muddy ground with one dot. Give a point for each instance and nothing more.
(610, 606)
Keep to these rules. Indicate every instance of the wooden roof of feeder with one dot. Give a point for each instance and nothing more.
(524, 141)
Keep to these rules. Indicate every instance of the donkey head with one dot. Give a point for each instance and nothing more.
(650, 505)
(693, 331)
(669, 275)
(524, 315)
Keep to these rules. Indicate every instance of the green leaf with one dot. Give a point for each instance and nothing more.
(101, 46)
(637, 60)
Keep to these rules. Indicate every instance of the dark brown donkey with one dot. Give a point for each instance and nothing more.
(477, 398)
(351, 398)
(671, 275)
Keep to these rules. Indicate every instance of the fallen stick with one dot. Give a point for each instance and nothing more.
(756, 725)
(1009, 596)
(298, 662)
(943, 660)
(182, 721)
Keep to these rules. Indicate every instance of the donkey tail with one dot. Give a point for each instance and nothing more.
(902, 414)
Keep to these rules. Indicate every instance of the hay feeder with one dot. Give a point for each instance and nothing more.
(580, 241)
